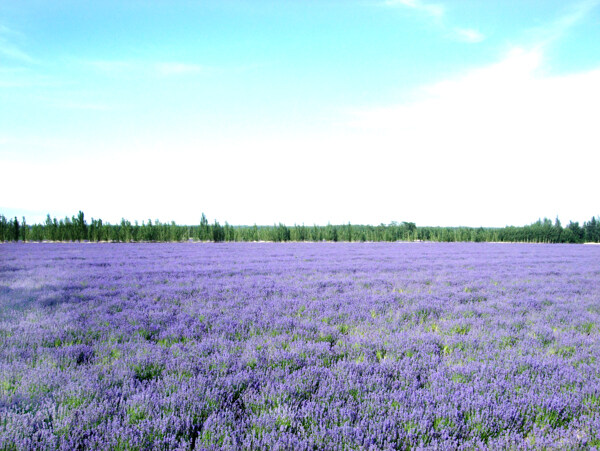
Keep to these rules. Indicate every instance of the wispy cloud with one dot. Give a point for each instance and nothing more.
(9, 49)
(437, 11)
(553, 31)
(77, 105)
(111, 67)
(467, 35)
(23, 77)
(173, 69)
(13, 52)
(433, 9)
(12, 78)
(136, 69)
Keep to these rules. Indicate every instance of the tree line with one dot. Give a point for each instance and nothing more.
(77, 228)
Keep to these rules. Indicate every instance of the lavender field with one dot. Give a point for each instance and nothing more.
(299, 346)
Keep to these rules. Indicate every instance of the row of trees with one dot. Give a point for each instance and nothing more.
(77, 229)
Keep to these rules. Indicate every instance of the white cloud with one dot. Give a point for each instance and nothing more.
(111, 67)
(13, 77)
(548, 33)
(468, 35)
(13, 52)
(135, 69)
(168, 69)
(9, 49)
(78, 105)
(21, 77)
(504, 143)
(542, 35)
(437, 12)
(504, 135)
(433, 9)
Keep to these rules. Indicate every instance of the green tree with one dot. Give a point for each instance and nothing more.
(575, 231)
(204, 232)
(80, 227)
(16, 229)
(591, 231)
(218, 234)
(3, 229)
(24, 230)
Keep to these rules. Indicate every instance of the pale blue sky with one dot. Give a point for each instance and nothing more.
(443, 113)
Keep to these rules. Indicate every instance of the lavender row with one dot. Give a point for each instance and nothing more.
(299, 346)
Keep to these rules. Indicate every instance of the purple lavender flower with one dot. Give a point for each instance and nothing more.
(299, 346)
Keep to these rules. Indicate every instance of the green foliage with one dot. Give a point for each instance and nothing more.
(343, 329)
(462, 329)
(441, 423)
(77, 229)
(148, 371)
(460, 378)
(135, 414)
(508, 341)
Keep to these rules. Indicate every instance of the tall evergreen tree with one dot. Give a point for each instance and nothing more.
(3, 228)
(24, 229)
(80, 227)
(218, 234)
(204, 230)
(16, 229)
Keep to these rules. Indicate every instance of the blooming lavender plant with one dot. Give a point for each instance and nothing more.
(299, 346)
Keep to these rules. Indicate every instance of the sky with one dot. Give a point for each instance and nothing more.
(450, 112)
